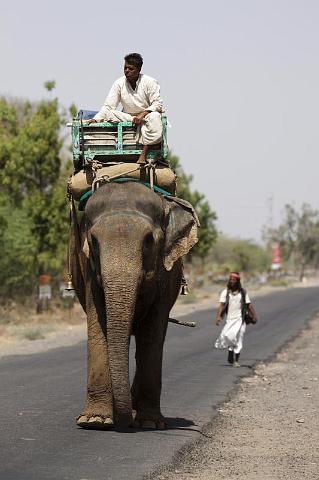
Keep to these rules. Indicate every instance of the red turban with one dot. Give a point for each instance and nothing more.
(234, 275)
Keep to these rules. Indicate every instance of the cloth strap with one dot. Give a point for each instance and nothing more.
(84, 198)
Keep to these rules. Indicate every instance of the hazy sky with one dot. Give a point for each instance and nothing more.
(239, 79)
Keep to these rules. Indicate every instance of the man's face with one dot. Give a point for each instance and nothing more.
(233, 282)
(131, 71)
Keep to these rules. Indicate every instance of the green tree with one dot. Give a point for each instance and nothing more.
(232, 254)
(18, 253)
(33, 181)
(298, 236)
(49, 85)
(207, 233)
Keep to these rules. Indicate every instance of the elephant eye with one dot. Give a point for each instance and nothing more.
(148, 240)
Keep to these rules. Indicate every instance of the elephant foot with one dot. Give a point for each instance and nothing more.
(95, 422)
(150, 424)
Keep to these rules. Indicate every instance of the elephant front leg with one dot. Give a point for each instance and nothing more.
(147, 385)
(98, 412)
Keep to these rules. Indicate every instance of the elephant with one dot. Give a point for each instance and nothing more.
(126, 265)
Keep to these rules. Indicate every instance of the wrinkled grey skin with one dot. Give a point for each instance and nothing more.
(130, 237)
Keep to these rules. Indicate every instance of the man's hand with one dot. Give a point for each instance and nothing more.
(138, 119)
(220, 313)
(254, 316)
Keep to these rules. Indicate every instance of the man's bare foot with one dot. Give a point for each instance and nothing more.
(142, 159)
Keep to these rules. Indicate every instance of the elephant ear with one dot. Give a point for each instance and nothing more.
(181, 230)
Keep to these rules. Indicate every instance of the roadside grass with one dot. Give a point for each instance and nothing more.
(24, 313)
(19, 321)
(34, 333)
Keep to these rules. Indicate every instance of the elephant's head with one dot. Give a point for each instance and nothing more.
(132, 235)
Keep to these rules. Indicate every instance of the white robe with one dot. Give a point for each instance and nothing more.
(232, 334)
(146, 96)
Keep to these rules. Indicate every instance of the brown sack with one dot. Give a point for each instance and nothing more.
(164, 177)
(80, 183)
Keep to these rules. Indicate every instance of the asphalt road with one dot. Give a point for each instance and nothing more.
(41, 395)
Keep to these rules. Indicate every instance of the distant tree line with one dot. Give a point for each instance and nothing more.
(238, 255)
(298, 236)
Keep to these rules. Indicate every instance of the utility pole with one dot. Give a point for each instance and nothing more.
(270, 203)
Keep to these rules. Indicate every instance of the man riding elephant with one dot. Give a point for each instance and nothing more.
(141, 101)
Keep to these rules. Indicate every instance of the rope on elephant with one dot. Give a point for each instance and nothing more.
(106, 178)
(150, 166)
(84, 198)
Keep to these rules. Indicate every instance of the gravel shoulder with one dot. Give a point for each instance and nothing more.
(269, 427)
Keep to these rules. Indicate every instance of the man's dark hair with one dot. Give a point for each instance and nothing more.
(134, 59)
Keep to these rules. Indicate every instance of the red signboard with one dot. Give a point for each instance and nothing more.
(44, 279)
(276, 254)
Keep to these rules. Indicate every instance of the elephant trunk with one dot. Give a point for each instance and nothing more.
(120, 298)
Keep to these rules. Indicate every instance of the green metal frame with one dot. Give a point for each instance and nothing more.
(82, 158)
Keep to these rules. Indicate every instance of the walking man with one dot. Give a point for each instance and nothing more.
(234, 303)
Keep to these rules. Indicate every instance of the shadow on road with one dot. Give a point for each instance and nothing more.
(242, 365)
(174, 423)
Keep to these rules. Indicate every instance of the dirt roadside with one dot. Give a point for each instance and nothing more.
(269, 429)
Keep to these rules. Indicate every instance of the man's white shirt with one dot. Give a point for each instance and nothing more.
(234, 307)
(146, 96)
